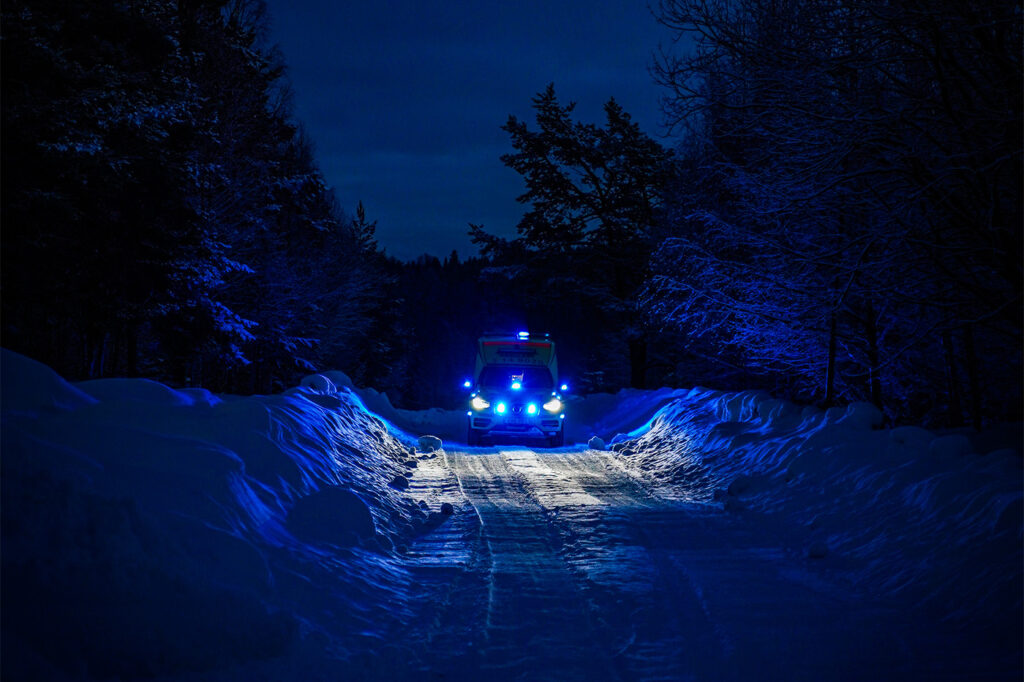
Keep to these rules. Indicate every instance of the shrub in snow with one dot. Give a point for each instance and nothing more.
(399, 483)
(429, 443)
(595, 443)
(447, 509)
(332, 515)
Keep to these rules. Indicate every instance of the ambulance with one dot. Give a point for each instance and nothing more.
(514, 392)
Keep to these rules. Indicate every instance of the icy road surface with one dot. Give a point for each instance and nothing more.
(178, 536)
(577, 570)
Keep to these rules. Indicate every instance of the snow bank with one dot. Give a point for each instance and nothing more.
(902, 512)
(149, 531)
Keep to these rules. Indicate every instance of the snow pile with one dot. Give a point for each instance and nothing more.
(158, 533)
(628, 411)
(149, 531)
(901, 512)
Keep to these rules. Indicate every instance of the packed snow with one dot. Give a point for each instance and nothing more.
(157, 533)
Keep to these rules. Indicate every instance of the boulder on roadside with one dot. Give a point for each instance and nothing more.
(333, 515)
(429, 443)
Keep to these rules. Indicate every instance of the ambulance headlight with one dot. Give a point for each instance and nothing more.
(554, 406)
(478, 403)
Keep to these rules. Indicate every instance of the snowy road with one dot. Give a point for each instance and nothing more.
(300, 536)
(577, 570)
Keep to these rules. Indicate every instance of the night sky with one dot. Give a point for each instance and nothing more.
(405, 100)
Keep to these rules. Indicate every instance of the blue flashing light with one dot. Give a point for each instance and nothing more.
(524, 335)
(500, 409)
(561, 416)
(469, 414)
(516, 385)
(531, 408)
(565, 387)
(467, 383)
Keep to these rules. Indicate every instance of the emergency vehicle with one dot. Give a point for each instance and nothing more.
(514, 390)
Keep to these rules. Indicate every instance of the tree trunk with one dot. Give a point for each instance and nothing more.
(956, 411)
(638, 363)
(972, 377)
(132, 350)
(830, 372)
(875, 381)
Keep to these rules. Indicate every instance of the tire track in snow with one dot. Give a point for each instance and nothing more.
(655, 614)
(585, 573)
(449, 566)
(744, 608)
(538, 624)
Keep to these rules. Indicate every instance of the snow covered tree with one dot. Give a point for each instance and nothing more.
(95, 101)
(162, 214)
(860, 190)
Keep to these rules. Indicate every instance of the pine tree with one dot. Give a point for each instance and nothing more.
(593, 193)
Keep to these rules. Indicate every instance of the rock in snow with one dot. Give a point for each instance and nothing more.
(429, 443)
(596, 443)
(333, 515)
